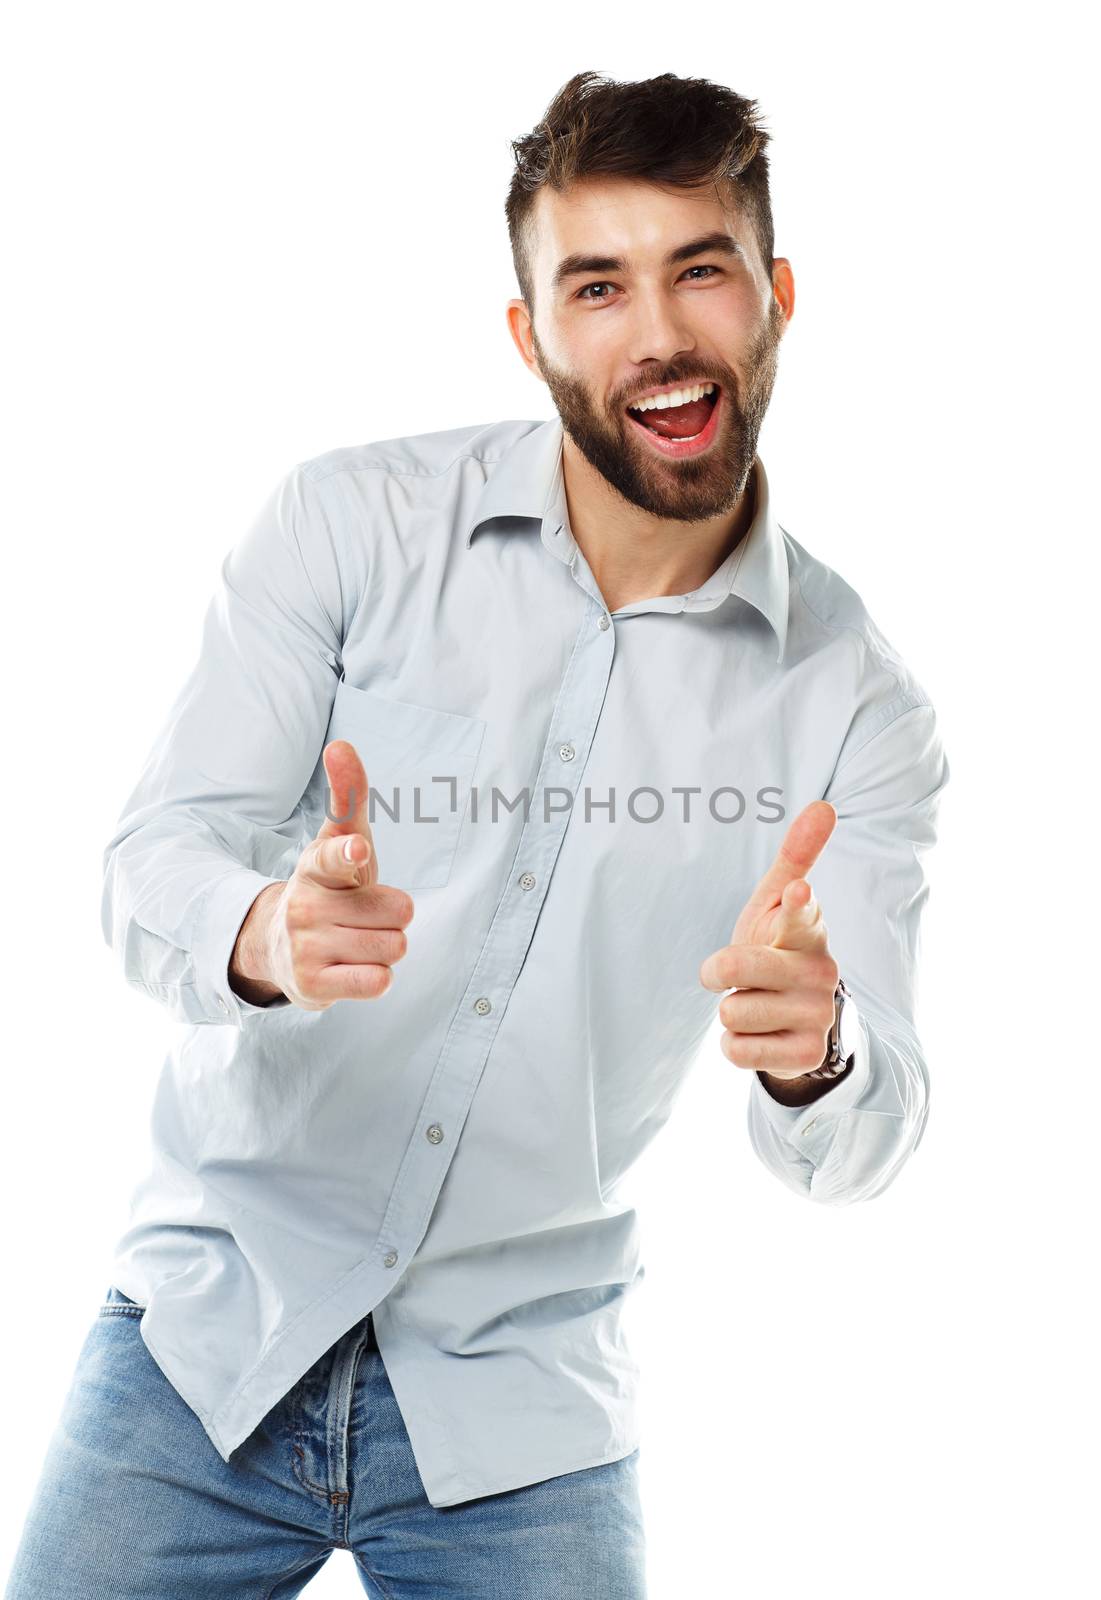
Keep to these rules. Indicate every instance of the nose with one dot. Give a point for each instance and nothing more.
(659, 332)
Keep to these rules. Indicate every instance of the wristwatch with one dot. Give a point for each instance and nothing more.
(841, 1045)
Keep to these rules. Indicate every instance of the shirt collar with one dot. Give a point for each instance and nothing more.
(526, 484)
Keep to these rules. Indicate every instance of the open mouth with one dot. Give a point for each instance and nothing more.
(680, 430)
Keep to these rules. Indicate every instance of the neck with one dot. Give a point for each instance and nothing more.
(635, 556)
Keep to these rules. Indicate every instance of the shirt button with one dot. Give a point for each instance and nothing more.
(434, 1134)
(527, 881)
(807, 1126)
(482, 1006)
(603, 622)
(566, 751)
(390, 1259)
(222, 1004)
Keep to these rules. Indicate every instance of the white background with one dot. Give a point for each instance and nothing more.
(242, 234)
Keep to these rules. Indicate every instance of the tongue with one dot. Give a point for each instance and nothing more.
(678, 422)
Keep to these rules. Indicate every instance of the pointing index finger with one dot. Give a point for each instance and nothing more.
(802, 845)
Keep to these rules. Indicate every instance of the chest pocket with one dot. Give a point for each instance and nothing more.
(420, 765)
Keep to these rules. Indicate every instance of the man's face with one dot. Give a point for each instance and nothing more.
(606, 336)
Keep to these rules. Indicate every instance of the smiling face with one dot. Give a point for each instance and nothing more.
(641, 288)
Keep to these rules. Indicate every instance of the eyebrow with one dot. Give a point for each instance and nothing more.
(579, 265)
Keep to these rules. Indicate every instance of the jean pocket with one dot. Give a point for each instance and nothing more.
(116, 1303)
(420, 764)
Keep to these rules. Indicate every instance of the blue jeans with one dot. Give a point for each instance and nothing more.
(134, 1501)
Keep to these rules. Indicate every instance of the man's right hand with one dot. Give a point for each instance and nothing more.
(332, 932)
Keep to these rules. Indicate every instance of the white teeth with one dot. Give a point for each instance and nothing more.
(678, 397)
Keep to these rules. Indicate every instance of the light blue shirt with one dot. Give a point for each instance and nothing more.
(450, 1155)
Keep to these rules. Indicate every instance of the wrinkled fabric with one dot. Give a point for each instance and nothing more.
(579, 804)
(133, 1502)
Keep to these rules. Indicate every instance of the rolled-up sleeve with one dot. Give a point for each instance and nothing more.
(212, 820)
(872, 886)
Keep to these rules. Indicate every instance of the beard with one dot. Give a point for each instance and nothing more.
(698, 487)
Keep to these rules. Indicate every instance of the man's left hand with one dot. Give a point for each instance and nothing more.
(778, 1021)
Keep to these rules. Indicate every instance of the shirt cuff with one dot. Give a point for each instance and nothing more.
(811, 1128)
(221, 914)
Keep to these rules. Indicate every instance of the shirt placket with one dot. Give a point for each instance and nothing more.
(474, 1026)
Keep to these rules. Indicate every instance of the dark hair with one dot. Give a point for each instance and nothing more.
(679, 131)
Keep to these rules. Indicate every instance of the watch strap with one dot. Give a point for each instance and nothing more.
(835, 1066)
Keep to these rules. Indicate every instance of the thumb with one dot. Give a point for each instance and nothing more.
(799, 924)
(346, 817)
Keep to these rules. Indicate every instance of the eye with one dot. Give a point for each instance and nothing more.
(583, 294)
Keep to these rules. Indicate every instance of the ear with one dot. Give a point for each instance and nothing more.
(783, 286)
(520, 327)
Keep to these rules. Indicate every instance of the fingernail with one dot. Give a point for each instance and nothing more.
(348, 849)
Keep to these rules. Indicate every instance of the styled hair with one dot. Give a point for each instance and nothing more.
(679, 131)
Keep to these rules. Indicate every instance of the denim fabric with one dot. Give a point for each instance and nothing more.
(135, 1501)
